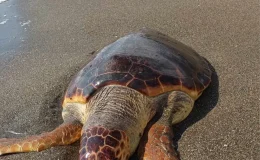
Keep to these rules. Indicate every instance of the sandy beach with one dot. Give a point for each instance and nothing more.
(43, 43)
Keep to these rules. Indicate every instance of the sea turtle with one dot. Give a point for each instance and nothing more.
(142, 77)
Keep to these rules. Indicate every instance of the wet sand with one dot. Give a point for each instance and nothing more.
(60, 36)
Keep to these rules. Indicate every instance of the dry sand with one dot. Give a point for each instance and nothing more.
(60, 36)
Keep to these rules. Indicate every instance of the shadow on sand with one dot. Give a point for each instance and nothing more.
(202, 107)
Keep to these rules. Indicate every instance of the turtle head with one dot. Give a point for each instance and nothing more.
(101, 143)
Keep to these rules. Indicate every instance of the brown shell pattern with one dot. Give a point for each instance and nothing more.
(149, 62)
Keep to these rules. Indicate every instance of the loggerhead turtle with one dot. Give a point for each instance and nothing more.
(110, 101)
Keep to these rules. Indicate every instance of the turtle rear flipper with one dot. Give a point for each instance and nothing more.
(65, 134)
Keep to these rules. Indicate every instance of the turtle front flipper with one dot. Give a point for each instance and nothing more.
(65, 134)
(159, 144)
(159, 137)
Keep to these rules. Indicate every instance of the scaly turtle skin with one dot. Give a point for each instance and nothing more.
(140, 78)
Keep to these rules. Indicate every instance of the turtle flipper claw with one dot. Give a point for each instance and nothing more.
(65, 134)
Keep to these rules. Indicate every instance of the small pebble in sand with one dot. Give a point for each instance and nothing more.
(4, 21)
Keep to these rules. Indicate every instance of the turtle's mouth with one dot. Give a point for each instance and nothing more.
(101, 143)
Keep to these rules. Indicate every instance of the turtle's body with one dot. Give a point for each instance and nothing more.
(132, 80)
